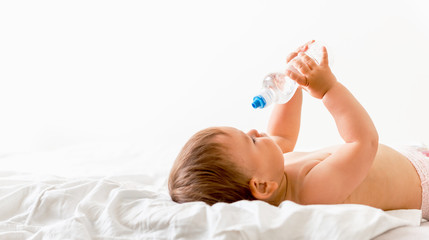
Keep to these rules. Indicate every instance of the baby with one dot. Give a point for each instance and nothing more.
(224, 164)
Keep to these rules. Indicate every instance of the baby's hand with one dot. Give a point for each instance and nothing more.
(303, 48)
(315, 78)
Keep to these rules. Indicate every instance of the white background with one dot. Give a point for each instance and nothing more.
(152, 73)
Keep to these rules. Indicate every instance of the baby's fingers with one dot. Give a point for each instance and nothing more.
(324, 61)
(304, 47)
(300, 79)
(291, 56)
(308, 60)
(301, 66)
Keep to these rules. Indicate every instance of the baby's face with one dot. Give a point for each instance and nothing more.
(255, 152)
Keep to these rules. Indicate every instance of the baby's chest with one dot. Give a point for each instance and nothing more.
(298, 164)
(302, 158)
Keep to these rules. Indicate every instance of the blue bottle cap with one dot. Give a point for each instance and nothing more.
(258, 102)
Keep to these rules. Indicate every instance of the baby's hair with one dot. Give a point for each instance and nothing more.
(204, 171)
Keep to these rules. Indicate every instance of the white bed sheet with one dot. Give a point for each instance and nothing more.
(126, 205)
(407, 233)
(129, 207)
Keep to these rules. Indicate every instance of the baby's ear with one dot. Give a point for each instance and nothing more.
(262, 190)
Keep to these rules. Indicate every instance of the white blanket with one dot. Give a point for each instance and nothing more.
(138, 207)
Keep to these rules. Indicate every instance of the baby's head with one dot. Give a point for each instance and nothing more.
(223, 164)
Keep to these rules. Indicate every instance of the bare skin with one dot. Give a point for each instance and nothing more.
(360, 170)
(392, 181)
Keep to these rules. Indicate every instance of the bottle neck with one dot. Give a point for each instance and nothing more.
(269, 96)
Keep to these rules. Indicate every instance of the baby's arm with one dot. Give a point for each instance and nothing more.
(284, 123)
(336, 177)
(285, 119)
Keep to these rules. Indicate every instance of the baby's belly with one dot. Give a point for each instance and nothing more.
(392, 183)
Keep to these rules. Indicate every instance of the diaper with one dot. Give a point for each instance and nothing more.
(419, 157)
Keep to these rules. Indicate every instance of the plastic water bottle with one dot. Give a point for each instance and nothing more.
(279, 88)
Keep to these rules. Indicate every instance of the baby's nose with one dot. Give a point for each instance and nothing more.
(253, 132)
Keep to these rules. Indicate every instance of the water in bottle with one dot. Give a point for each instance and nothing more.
(279, 88)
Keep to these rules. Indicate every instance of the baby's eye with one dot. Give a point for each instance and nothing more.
(253, 139)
